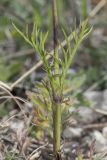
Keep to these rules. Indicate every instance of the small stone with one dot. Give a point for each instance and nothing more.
(72, 132)
(101, 141)
(104, 131)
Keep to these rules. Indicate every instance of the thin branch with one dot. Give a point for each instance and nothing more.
(100, 111)
(95, 126)
(6, 89)
(19, 54)
(99, 6)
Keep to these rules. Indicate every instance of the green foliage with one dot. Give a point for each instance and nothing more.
(37, 40)
(49, 86)
(56, 75)
(42, 105)
(9, 156)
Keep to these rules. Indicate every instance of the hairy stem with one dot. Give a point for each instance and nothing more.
(56, 104)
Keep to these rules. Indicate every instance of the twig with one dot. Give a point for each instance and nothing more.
(36, 151)
(10, 97)
(103, 112)
(95, 126)
(100, 5)
(4, 88)
(19, 54)
(4, 124)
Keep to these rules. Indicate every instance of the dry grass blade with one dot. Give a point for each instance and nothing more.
(99, 6)
(4, 85)
(36, 152)
(15, 97)
(103, 112)
(6, 89)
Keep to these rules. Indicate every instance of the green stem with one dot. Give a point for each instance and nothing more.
(84, 9)
(55, 34)
(56, 129)
(56, 104)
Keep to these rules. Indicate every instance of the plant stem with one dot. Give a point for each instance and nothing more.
(56, 104)
(84, 9)
(56, 129)
(55, 34)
